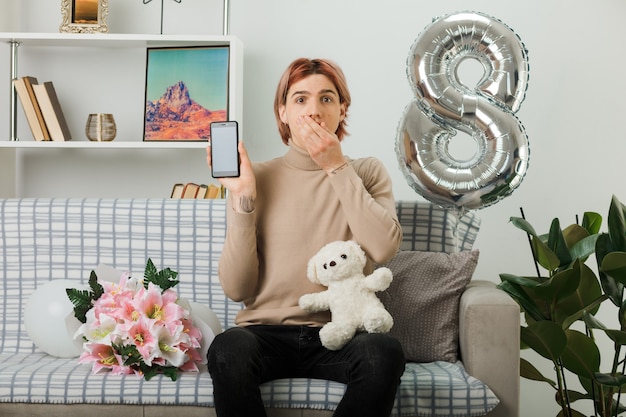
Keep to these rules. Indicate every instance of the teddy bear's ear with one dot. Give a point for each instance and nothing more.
(356, 249)
(311, 271)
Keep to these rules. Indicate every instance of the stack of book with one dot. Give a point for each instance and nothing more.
(192, 190)
(42, 109)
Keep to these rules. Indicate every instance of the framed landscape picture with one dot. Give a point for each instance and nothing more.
(186, 90)
(84, 16)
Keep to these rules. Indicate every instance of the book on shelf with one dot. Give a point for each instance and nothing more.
(177, 190)
(200, 191)
(190, 190)
(29, 82)
(52, 112)
(34, 117)
(215, 191)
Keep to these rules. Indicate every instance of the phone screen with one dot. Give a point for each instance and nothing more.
(224, 153)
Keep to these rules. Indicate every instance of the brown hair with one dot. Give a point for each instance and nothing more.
(302, 68)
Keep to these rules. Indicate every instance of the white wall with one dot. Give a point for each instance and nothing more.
(573, 112)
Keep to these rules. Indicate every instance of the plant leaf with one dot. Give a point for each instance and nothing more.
(546, 338)
(614, 265)
(574, 234)
(528, 371)
(169, 371)
(617, 336)
(616, 380)
(592, 308)
(588, 296)
(524, 225)
(164, 279)
(83, 299)
(529, 282)
(149, 273)
(543, 254)
(95, 286)
(556, 242)
(584, 248)
(515, 291)
(611, 287)
(581, 355)
(592, 222)
(559, 286)
(575, 396)
(617, 224)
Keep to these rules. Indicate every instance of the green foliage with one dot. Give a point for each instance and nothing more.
(570, 292)
(83, 299)
(131, 357)
(163, 279)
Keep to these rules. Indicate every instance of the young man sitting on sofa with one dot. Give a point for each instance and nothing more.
(280, 214)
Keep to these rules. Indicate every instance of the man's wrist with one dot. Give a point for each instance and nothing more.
(339, 168)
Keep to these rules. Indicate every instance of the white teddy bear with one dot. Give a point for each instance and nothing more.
(350, 296)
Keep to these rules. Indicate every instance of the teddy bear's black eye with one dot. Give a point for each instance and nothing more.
(344, 256)
(325, 266)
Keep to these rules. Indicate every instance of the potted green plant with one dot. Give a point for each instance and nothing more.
(560, 304)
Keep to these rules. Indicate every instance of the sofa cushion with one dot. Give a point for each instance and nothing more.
(423, 299)
(428, 227)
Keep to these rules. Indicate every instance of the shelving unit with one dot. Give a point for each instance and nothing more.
(15, 152)
(50, 40)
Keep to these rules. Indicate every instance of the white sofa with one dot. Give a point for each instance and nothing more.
(49, 239)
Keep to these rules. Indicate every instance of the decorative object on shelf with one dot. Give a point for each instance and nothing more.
(84, 16)
(150, 1)
(226, 15)
(138, 325)
(100, 127)
(485, 110)
(186, 89)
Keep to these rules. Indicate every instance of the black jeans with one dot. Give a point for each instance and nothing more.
(242, 358)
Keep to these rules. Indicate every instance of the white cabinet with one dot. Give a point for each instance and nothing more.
(99, 73)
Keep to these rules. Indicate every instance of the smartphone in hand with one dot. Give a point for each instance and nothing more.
(224, 149)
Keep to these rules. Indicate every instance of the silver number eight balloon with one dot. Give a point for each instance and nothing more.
(443, 105)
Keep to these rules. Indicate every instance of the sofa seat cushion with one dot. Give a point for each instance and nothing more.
(432, 389)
